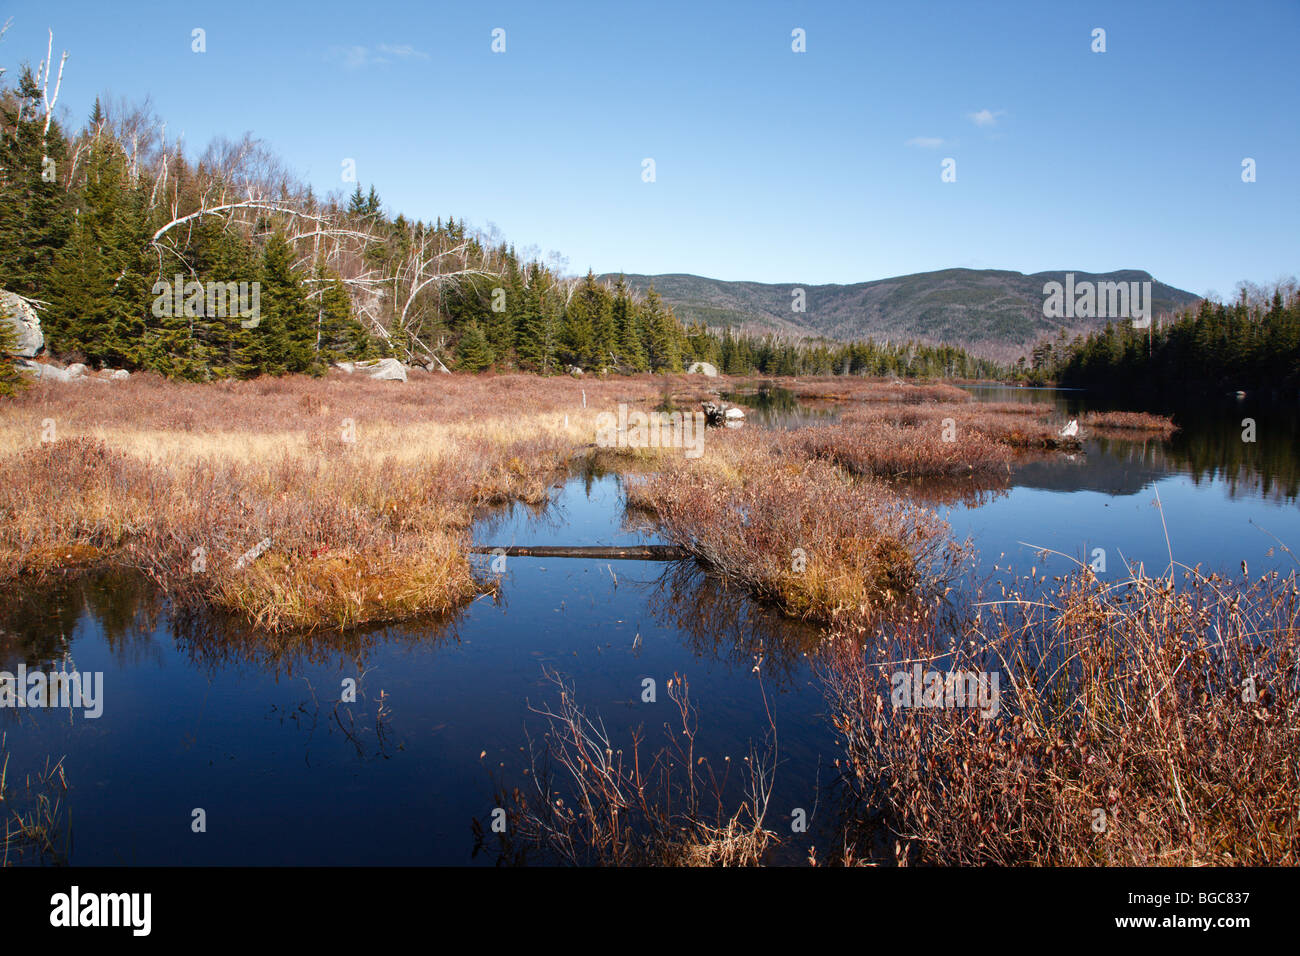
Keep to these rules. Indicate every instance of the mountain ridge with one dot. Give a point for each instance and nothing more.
(996, 313)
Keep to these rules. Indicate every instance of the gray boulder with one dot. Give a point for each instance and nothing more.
(44, 372)
(23, 322)
(382, 370)
(702, 368)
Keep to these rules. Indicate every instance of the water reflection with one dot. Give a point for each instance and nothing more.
(215, 643)
(718, 625)
(1208, 447)
(39, 619)
(42, 622)
(202, 707)
(774, 407)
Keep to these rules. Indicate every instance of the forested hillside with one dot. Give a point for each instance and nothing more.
(1252, 344)
(995, 313)
(118, 238)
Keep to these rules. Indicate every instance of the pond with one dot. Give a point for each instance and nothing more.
(200, 714)
(1223, 500)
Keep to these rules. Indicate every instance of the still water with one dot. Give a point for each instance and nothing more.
(203, 715)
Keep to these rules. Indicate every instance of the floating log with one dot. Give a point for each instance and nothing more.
(629, 552)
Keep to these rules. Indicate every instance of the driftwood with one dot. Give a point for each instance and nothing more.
(630, 552)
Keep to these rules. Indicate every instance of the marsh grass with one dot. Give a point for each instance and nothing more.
(1131, 421)
(36, 824)
(365, 490)
(1126, 735)
(801, 534)
(592, 802)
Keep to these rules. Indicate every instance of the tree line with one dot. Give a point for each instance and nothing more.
(1251, 344)
(113, 234)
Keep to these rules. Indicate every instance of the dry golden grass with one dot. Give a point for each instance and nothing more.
(365, 490)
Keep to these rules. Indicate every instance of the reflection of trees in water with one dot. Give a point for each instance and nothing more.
(777, 407)
(1211, 447)
(1207, 445)
(725, 624)
(38, 617)
(969, 491)
(215, 642)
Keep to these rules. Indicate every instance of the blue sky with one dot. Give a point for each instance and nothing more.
(771, 165)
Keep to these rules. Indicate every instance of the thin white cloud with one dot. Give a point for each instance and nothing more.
(925, 142)
(985, 117)
(360, 57)
(402, 50)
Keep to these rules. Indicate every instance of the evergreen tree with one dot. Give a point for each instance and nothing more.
(35, 219)
(661, 334)
(357, 203)
(473, 354)
(285, 336)
(99, 288)
(339, 335)
(536, 342)
(631, 350)
(502, 324)
(10, 376)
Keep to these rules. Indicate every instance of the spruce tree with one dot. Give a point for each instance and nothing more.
(473, 354)
(661, 334)
(99, 287)
(339, 335)
(536, 342)
(35, 215)
(11, 379)
(503, 325)
(286, 335)
(624, 315)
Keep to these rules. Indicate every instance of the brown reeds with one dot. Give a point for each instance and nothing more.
(636, 807)
(295, 503)
(1131, 421)
(36, 824)
(1141, 722)
(799, 533)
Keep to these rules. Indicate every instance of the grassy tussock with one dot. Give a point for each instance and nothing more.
(1126, 735)
(932, 440)
(884, 449)
(799, 533)
(1131, 421)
